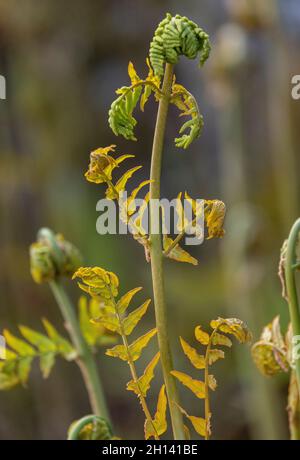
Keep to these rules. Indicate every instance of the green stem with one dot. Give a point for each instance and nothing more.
(157, 258)
(86, 360)
(291, 260)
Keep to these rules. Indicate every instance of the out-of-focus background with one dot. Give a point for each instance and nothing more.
(62, 62)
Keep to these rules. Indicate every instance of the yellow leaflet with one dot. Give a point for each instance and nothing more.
(87, 329)
(18, 345)
(135, 349)
(182, 221)
(129, 207)
(24, 366)
(126, 299)
(220, 339)
(201, 336)
(160, 420)
(145, 380)
(9, 355)
(132, 74)
(232, 326)
(215, 216)
(196, 386)
(123, 158)
(198, 423)
(145, 96)
(119, 351)
(138, 222)
(109, 321)
(91, 326)
(198, 361)
(215, 355)
(47, 361)
(43, 344)
(148, 89)
(114, 192)
(177, 253)
(137, 189)
(133, 318)
(138, 345)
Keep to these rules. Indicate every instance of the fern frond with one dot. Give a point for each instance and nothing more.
(174, 37)
(19, 357)
(231, 326)
(113, 315)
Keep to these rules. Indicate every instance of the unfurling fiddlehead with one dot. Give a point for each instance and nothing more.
(174, 37)
(90, 428)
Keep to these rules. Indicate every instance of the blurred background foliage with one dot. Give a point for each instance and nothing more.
(62, 62)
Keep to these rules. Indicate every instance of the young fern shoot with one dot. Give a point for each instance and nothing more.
(112, 314)
(175, 36)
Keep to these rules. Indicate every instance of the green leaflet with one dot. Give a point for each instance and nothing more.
(19, 357)
(120, 117)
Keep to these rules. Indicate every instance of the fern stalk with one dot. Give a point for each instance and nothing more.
(206, 382)
(290, 266)
(157, 258)
(133, 372)
(85, 358)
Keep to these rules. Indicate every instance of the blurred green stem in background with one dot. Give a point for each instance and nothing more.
(157, 259)
(290, 267)
(86, 360)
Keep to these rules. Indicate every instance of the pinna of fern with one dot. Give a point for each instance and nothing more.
(112, 314)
